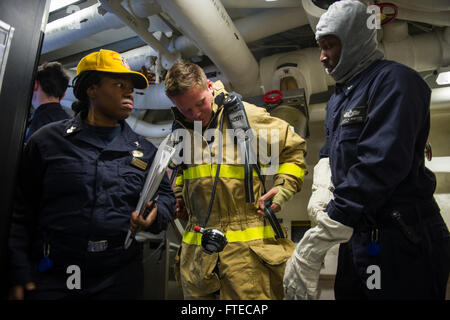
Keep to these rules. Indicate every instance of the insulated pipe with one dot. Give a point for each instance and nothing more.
(292, 115)
(139, 57)
(440, 15)
(143, 8)
(440, 18)
(154, 97)
(440, 99)
(313, 13)
(209, 24)
(76, 26)
(317, 112)
(187, 47)
(149, 130)
(440, 102)
(421, 5)
(421, 52)
(260, 3)
(89, 21)
(395, 31)
(140, 26)
(252, 28)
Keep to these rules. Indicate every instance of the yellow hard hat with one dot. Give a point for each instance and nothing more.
(111, 61)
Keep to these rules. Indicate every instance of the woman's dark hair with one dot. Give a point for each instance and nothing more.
(80, 85)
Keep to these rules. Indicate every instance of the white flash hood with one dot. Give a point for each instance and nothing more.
(347, 19)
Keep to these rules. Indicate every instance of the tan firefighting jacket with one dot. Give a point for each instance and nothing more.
(252, 264)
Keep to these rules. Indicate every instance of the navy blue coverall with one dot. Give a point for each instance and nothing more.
(77, 184)
(45, 114)
(376, 127)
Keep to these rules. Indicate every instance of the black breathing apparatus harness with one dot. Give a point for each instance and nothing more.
(214, 240)
(237, 118)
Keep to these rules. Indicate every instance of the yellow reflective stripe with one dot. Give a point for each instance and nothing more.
(199, 171)
(292, 169)
(249, 234)
(179, 181)
(192, 238)
(206, 170)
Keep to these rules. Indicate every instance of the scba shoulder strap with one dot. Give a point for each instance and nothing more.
(237, 118)
(238, 121)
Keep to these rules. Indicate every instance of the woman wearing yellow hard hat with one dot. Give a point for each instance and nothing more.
(79, 184)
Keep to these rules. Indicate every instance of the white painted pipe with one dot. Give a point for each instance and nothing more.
(439, 18)
(439, 164)
(317, 112)
(395, 31)
(421, 5)
(209, 25)
(139, 57)
(140, 26)
(187, 47)
(143, 8)
(253, 28)
(87, 22)
(435, 15)
(293, 116)
(149, 130)
(76, 26)
(440, 99)
(250, 28)
(260, 3)
(154, 97)
(420, 52)
(313, 13)
(440, 102)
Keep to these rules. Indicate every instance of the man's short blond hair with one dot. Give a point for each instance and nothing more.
(184, 76)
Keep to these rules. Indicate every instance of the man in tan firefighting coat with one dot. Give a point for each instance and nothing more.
(251, 266)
